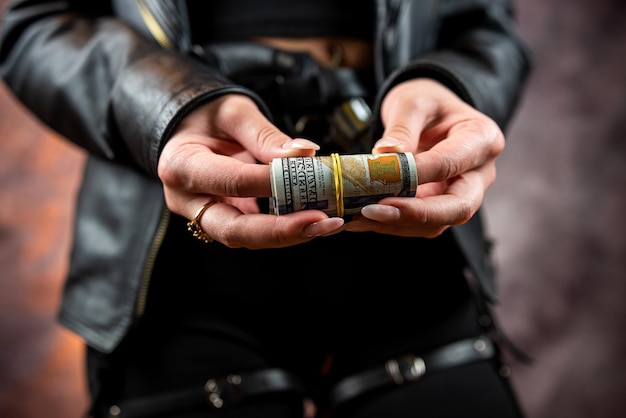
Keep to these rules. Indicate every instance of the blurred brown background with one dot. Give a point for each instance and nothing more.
(556, 212)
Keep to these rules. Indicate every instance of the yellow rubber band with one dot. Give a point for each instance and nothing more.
(338, 183)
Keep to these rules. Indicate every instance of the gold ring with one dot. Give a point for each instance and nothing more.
(194, 227)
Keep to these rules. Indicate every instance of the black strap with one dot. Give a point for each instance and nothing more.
(487, 320)
(410, 368)
(215, 394)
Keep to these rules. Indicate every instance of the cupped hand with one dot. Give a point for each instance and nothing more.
(220, 153)
(455, 148)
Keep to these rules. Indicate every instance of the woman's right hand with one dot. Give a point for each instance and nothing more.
(214, 155)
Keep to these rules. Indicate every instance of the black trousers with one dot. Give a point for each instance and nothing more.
(320, 323)
(167, 360)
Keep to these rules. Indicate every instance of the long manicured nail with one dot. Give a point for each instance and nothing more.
(323, 227)
(381, 213)
(301, 143)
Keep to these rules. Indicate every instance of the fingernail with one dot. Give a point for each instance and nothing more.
(324, 227)
(387, 142)
(381, 213)
(301, 143)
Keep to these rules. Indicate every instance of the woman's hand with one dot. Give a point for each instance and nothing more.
(455, 149)
(213, 157)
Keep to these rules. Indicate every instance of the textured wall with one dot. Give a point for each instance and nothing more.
(556, 211)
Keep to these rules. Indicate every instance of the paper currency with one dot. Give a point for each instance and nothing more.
(340, 185)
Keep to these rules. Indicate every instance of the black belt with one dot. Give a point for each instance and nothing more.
(216, 393)
(233, 388)
(410, 368)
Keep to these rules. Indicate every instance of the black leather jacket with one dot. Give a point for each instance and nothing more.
(92, 71)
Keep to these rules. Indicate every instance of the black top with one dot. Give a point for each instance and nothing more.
(242, 19)
(342, 270)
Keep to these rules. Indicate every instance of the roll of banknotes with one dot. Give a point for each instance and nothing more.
(340, 185)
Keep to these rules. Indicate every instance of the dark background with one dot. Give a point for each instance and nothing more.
(556, 213)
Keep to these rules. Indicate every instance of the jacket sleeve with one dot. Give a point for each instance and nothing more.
(471, 46)
(99, 83)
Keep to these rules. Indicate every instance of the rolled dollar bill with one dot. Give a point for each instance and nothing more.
(340, 185)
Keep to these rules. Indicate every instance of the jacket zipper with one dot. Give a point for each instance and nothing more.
(153, 26)
(161, 37)
(140, 306)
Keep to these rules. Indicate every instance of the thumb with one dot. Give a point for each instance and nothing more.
(245, 122)
(403, 127)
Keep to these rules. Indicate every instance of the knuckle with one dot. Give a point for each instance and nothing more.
(465, 213)
(400, 132)
(168, 170)
(453, 164)
(229, 110)
(493, 134)
(232, 182)
(422, 218)
(268, 135)
(228, 239)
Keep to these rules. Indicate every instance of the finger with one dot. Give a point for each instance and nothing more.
(239, 118)
(201, 171)
(226, 224)
(360, 223)
(404, 119)
(402, 133)
(470, 144)
(428, 216)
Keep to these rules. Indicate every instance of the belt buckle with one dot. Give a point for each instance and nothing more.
(343, 128)
(405, 368)
(351, 118)
(219, 392)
